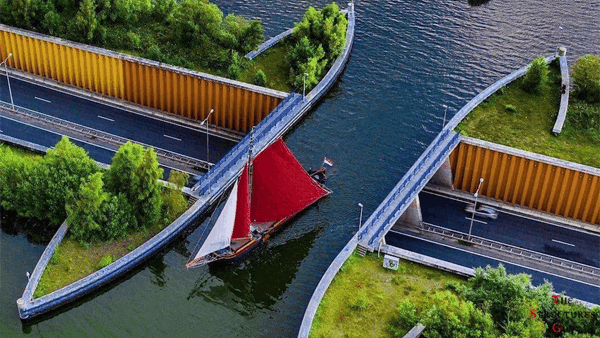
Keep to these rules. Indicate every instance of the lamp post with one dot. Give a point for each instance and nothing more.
(304, 88)
(474, 207)
(445, 110)
(207, 148)
(12, 103)
(361, 212)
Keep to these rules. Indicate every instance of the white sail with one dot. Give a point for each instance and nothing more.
(220, 235)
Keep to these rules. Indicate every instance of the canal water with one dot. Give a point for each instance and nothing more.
(409, 58)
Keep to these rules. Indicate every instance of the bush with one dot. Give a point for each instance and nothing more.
(586, 78)
(260, 79)
(134, 41)
(359, 304)
(154, 53)
(105, 261)
(537, 75)
(510, 108)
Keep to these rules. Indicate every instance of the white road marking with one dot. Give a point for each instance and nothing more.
(171, 137)
(106, 118)
(561, 242)
(475, 220)
(37, 98)
(496, 259)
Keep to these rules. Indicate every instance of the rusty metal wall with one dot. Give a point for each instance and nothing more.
(526, 182)
(163, 88)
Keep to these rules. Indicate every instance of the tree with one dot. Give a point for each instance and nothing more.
(120, 178)
(119, 217)
(260, 79)
(193, 21)
(508, 299)
(25, 13)
(84, 209)
(59, 173)
(148, 190)
(16, 190)
(451, 317)
(536, 76)
(586, 78)
(86, 22)
(306, 59)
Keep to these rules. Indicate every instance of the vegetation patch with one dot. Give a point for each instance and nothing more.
(529, 125)
(274, 65)
(366, 300)
(73, 260)
(361, 301)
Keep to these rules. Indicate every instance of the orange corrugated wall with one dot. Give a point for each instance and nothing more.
(533, 184)
(235, 108)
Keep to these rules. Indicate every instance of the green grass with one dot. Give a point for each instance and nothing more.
(530, 126)
(72, 261)
(273, 63)
(362, 299)
(22, 151)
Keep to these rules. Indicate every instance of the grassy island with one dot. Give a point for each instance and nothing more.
(366, 300)
(109, 212)
(523, 119)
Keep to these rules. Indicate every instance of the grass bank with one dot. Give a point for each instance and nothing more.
(72, 261)
(362, 299)
(516, 118)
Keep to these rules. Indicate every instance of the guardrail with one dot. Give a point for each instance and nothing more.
(565, 90)
(588, 270)
(269, 43)
(104, 136)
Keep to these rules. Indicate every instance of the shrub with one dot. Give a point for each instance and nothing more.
(586, 78)
(359, 304)
(510, 108)
(154, 53)
(260, 79)
(105, 261)
(134, 41)
(537, 75)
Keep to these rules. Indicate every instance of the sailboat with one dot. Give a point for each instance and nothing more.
(272, 188)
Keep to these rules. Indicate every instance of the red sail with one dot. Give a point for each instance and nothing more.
(241, 227)
(280, 186)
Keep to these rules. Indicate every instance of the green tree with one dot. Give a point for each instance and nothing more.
(536, 76)
(586, 78)
(121, 178)
(260, 79)
(129, 12)
(60, 172)
(119, 217)
(451, 317)
(26, 13)
(86, 22)
(508, 299)
(306, 64)
(147, 189)
(84, 210)
(195, 22)
(16, 190)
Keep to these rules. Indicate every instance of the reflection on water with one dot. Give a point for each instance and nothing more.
(36, 231)
(409, 58)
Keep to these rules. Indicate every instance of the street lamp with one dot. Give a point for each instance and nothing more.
(361, 212)
(475, 207)
(445, 110)
(304, 88)
(201, 124)
(8, 80)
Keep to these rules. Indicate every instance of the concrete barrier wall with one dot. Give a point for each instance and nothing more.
(238, 106)
(528, 179)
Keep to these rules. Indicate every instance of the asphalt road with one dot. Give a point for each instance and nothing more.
(526, 233)
(49, 139)
(157, 133)
(573, 289)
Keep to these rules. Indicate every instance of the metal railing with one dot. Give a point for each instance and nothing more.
(588, 270)
(101, 135)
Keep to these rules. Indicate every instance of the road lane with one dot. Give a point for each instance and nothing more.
(115, 121)
(514, 230)
(572, 288)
